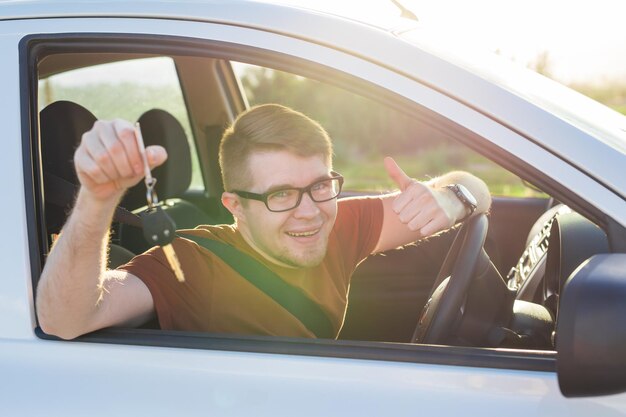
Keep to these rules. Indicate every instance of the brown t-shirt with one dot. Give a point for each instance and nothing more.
(215, 298)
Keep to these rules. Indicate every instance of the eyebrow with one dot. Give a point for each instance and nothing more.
(279, 187)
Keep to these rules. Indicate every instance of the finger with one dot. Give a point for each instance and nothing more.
(410, 211)
(125, 131)
(115, 148)
(416, 191)
(95, 150)
(419, 222)
(88, 170)
(397, 174)
(156, 155)
(434, 226)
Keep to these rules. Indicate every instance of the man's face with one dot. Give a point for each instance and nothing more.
(294, 238)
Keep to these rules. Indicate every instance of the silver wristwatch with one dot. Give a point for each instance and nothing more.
(466, 197)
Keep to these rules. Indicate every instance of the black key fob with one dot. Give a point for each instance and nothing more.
(158, 226)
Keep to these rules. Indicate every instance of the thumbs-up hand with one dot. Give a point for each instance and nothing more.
(420, 206)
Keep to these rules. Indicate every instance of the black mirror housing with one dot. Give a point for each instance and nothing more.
(591, 328)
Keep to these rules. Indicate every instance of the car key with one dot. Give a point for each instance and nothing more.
(158, 226)
(159, 229)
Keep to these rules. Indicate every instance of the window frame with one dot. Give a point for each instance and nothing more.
(33, 47)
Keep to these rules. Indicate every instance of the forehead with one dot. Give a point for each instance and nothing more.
(283, 168)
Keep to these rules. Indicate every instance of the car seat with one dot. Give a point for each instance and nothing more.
(159, 127)
(62, 125)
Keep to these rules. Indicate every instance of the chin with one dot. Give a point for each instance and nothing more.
(308, 260)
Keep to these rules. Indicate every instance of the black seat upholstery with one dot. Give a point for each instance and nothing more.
(159, 127)
(62, 125)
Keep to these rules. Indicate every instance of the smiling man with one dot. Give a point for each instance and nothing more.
(277, 172)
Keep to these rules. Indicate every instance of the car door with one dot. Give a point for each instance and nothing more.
(140, 371)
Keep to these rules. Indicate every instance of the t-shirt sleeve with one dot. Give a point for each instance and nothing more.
(358, 227)
(167, 292)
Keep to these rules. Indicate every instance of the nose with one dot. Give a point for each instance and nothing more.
(307, 208)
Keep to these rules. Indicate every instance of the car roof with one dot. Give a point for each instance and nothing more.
(251, 13)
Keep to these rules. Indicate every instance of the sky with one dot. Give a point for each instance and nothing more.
(585, 41)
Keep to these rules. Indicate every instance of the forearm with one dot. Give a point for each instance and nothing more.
(70, 287)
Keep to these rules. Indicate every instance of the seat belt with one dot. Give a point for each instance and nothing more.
(62, 193)
(290, 298)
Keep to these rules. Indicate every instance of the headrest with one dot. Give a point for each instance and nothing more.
(61, 125)
(159, 127)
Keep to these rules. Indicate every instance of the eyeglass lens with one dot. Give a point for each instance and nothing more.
(289, 198)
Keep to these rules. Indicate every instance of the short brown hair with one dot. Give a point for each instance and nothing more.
(268, 127)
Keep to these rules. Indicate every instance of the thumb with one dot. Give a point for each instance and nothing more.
(397, 174)
(156, 155)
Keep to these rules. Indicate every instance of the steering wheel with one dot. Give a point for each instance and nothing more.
(444, 309)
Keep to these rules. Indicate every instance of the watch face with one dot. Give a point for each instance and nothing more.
(468, 195)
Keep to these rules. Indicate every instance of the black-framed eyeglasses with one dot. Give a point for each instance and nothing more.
(289, 198)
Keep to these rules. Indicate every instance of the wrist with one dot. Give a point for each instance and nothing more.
(97, 208)
(465, 201)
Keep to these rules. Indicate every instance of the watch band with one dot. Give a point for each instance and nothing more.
(466, 198)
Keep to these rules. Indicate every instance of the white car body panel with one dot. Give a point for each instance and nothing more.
(16, 310)
(73, 378)
(43, 377)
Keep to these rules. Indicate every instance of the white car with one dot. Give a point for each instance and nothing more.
(536, 317)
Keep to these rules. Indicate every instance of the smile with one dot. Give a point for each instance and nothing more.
(304, 234)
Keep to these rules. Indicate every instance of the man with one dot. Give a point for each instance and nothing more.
(277, 169)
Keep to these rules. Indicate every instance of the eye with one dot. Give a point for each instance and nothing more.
(282, 195)
(321, 186)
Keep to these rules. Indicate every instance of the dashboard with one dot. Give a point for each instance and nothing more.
(560, 241)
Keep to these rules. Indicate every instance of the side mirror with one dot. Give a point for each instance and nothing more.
(591, 328)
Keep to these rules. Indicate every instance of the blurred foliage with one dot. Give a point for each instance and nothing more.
(359, 127)
(610, 93)
(364, 131)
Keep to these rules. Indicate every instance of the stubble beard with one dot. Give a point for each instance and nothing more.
(304, 258)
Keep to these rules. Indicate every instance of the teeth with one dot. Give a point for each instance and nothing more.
(303, 234)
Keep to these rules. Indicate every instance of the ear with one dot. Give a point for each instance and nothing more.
(233, 204)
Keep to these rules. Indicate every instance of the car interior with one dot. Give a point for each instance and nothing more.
(494, 282)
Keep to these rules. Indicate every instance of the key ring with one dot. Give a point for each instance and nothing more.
(150, 181)
(151, 194)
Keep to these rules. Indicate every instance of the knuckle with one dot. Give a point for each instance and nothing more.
(88, 136)
(127, 138)
(102, 158)
(116, 148)
(123, 127)
(99, 125)
(92, 171)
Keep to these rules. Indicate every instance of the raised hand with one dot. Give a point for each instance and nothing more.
(420, 206)
(108, 160)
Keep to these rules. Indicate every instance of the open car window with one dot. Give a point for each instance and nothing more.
(389, 291)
